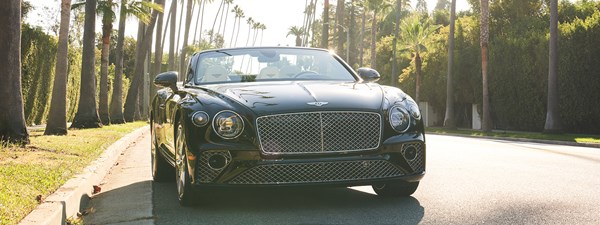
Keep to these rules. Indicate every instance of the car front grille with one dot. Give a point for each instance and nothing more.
(418, 162)
(206, 174)
(319, 132)
(318, 172)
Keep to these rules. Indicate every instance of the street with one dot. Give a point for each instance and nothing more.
(468, 181)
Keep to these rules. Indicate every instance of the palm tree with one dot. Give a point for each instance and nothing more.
(486, 125)
(87, 112)
(240, 15)
(449, 117)
(262, 28)
(215, 21)
(237, 11)
(395, 41)
(375, 6)
(140, 9)
(188, 23)
(141, 53)
(325, 34)
(57, 117)
(340, 28)
(226, 12)
(414, 39)
(158, 47)
(553, 123)
(296, 31)
(104, 8)
(250, 23)
(12, 119)
(172, 33)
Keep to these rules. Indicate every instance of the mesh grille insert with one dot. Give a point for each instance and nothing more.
(317, 132)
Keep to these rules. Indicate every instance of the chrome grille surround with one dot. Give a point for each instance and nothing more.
(418, 163)
(300, 173)
(319, 132)
(205, 173)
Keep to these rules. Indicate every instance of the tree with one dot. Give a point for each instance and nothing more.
(443, 5)
(395, 43)
(325, 34)
(57, 117)
(421, 7)
(486, 125)
(140, 9)
(87, 112)
(12, 119)
(414, 39)
(553, 123)
(339, 13)
(186, 34)
(141, 53)
(172, 32)
(250, 23)
(215, 21)
(239, 14)
(375, 6)
(296, 31)
(449, 117)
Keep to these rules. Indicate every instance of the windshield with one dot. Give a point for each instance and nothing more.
(268, 64)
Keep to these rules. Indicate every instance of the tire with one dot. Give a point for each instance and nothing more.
(396, 189)
(161, 170)
(185, 191)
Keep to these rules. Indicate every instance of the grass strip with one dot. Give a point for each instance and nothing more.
(29, 174)
(577, 138)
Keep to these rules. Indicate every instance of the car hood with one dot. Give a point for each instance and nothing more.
(266, 98)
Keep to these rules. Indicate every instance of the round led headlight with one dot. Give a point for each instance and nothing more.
(413, 109)
(200, 119)
(399, 118)
(228, 124)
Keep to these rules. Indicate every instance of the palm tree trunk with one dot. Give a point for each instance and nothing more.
(394, 76)
(212, 30)
(198, 21)
(116, 103)
(172, 35)
(158, 47)
(103, 95)
(186, 34)
(325, 33)
(418, 65)
(133, 92)
(237, 35)
(164, 34)
(87, 112)
(201, 20)
(12, 119)
(177, 54)
(553, 123)
(352, 37)
(340, 30)
(226, 12)
(374, 40)
(486, 125)
(57, 117)
(362, 37)
(449, 117)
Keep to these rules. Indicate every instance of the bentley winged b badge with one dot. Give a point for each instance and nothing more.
(317, 103)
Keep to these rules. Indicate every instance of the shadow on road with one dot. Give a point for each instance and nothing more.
(284, 206)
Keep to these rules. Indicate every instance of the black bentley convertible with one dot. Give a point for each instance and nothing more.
(283, 116)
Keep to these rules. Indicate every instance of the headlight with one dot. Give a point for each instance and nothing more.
(228, 124)
(413, 109)
(399, 118)
(200, 119)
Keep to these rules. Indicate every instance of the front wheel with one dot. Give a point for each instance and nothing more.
(185, 190)
(396, 189)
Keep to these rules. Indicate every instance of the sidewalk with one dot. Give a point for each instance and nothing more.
(73, 196)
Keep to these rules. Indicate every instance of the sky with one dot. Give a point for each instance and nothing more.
(277, 15)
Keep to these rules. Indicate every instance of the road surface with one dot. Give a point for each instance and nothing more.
(468, 181)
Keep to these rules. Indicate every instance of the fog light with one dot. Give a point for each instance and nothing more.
(410, 153)
(217, 162)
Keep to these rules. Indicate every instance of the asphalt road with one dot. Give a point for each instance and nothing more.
(468, 181)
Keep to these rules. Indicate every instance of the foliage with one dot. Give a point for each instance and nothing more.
(37, 72)
(45, 164)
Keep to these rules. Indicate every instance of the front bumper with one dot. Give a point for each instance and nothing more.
(396, 159)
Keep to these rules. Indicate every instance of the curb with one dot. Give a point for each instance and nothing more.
(74, 195)
(567, 143)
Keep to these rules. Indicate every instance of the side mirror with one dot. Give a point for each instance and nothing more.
(167, 79)
(368, 75)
